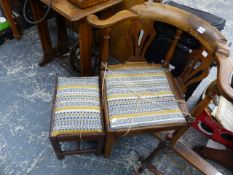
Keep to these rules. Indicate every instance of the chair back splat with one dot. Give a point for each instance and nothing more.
(140, 36)
(139, 97)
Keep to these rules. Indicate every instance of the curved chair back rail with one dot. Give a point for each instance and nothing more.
(210, 38)
(118, 17)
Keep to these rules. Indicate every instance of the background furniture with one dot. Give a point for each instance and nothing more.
(70, 12)
(7, 11)
(224, 157)
(214, 48)
(216, 123)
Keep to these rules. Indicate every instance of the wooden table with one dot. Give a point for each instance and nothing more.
(66, 10)
(7, 11)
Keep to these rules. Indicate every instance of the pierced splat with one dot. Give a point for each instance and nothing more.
(197, 68)
(140, 36)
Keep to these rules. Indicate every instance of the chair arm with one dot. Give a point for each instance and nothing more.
(183, 20)
(224, 75)
(118, 17)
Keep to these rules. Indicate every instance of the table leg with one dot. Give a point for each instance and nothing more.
(62, 36)
(48, 51)
(85, 44)
(7, 11)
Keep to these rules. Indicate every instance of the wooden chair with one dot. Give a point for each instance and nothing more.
(133, 105)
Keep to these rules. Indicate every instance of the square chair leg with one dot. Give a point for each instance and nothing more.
(109, 142)
(57, 147)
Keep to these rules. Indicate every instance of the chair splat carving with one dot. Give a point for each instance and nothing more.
(196, 69)
(140, 36)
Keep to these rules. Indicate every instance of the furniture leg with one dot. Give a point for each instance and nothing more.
(109, 142)
(62, 37)
(57, 148)
(99, 146)
(7, 11)
(48, 51)
(224, 157)
(85, 44)
(148, 166)
(146, 163)
(194, 159)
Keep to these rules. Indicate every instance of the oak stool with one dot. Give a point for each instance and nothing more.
(76, 115)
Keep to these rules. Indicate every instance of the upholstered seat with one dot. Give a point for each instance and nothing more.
(140, 97)
(77, 106)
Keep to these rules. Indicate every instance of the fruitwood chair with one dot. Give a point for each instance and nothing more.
(139, 97)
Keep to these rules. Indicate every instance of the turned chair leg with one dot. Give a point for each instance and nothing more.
(109, 142)
(57, 148)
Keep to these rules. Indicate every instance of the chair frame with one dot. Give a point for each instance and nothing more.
(211, 40)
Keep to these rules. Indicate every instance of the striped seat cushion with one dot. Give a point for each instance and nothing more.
(140, 98)
(77, 106)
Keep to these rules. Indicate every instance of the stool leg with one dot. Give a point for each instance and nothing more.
(57, 147)
(110, 139)
(99, 146)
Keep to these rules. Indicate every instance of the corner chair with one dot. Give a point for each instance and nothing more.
(136, 94)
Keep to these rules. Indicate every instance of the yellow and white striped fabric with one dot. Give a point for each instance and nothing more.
(77, 106)
(140, 98)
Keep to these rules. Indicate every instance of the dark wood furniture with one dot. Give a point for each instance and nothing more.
(7, 11)
(214, 48)
(74, 130)
(67, 11)
(61, 153)
(224, 157)
(87, 3)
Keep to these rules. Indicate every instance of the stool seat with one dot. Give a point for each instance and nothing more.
(77, 106)
(140, 97)
(77, 114)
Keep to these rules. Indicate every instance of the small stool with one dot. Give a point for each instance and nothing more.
(77, 115)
